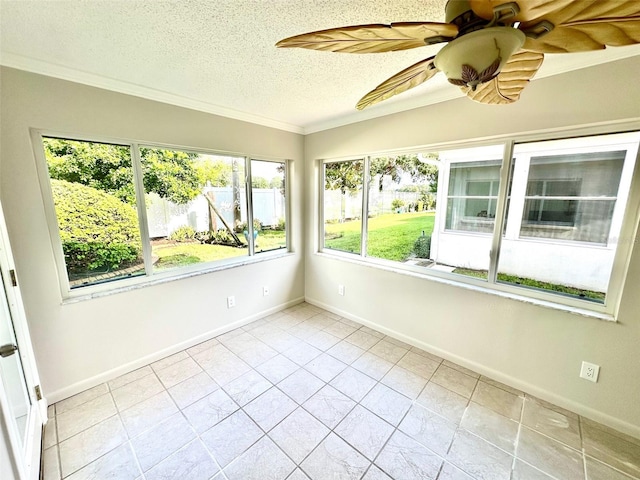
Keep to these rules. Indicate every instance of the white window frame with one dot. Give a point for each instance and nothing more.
(625, 218)
(149, 278)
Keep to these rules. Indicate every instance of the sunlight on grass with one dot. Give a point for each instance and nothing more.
(391, 236)
(179, 254)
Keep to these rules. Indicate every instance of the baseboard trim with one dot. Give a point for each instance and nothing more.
(78, 387)
(576, 407)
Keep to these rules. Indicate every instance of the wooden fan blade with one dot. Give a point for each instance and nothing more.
(578, 25)
(400, 82)
(512, 79)
(372, 38)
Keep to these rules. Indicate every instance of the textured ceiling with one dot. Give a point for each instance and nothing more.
(219, 55)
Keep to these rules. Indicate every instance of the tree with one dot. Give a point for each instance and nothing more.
(170, 174)
(216, 173)
(346, 177)
(259, 182)
(401, 165)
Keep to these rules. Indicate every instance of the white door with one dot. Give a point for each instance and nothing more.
(22, 410)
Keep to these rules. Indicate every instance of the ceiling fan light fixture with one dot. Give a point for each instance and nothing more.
(477, 57)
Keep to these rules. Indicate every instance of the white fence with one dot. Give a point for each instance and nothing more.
(164, 217)
(379, 203)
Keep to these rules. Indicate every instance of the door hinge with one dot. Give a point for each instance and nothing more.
(38, 392)
(14, 279)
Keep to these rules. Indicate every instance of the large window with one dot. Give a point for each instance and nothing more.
(125, 211)
(558, 206)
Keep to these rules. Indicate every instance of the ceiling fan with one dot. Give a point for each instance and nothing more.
(494, 46)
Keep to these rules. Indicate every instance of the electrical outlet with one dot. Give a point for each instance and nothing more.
(231, 301)
(265, 291)
(589, 371)
(341, 290)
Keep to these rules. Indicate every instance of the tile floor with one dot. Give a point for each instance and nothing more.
(305, 394)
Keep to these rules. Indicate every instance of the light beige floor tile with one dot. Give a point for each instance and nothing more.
(362, 339)
(91, 444)
(340, 330)
(297, 475)
(170, 360)
(136, 391)
(374, 473)
(279, 341)
(300, 385)
(117, 464)
(443, 402)
(277, 368)
(325, 367)
(502, 386)
(461, 369)
(478, 458)
(498, 400)
(456, 381)
(147, 413)
(404, 381)
(372, 331)
(228, 370)
(210, 410)
(82, 397)
(130, 377)
(419, 364)
(302, 353)
(202, 346)
(397, 342)
(346, 352)
(50, 434)
(334, 458)
(450, 472)
(550, 456)
(524, 471)
(322, 340)
(611, 449)
(372, 365)
(231, 437)
(270, 408)
(191, 462)
(428, 428)
(404, 458)
(329, 406)
(388, 350)
(365, 431)
(491, 426)
(247, 387)
(84, 416)
(178, 372)
(298, 434)
(353, 383)
(426, 354)
(554, 423)
(192, 389)
(161, 441)
(599, 471)
(258, 354)
(386, 403)
(50, 464)
(263, 461)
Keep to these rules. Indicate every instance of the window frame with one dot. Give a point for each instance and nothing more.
(149, 277)
(624, 133)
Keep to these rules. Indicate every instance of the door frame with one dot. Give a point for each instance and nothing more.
(25, 456)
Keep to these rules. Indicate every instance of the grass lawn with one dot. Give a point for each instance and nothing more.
(529, 282)
(391, 236)
(178, 254)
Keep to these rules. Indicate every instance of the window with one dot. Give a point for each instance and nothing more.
(558, 207)
(129, 211)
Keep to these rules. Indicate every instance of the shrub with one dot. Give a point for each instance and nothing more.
(422, 246)
(397, 203)
(98, 231)
(242, 226)
(281, 224)
(183, 234)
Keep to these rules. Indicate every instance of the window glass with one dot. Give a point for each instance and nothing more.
(343, 184)
(95, 204)
(401, 207)
(269, 205)
(562, 213)
(196, 207)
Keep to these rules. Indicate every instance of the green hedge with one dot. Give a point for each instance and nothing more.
(98, 231)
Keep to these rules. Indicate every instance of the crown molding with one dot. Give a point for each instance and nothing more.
(64, 73)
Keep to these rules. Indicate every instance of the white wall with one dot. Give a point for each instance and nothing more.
(79, 344)
(531, 347)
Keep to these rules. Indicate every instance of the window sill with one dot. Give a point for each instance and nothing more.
(443, 278)
(171, 276)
